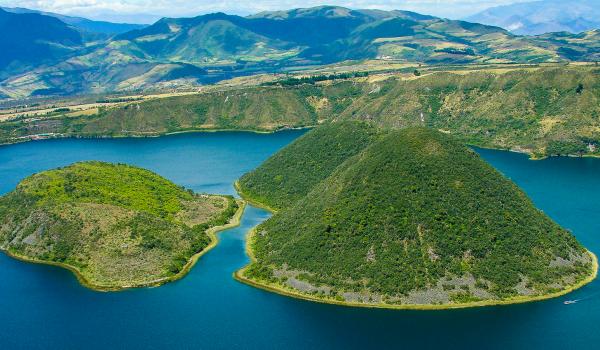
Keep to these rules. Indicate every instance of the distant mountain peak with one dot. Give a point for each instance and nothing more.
(539, 17)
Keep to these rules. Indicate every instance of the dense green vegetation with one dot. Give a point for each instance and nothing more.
(415, 218)
(542, 111)
(290, 174)
(522, 110)
(116, 225)
(291, 81)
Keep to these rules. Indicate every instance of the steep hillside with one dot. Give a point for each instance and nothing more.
(544, 112)
(416, 219)
(116, 226)
(539, 17)
(541, 111)
(314, 26)
(290, 174)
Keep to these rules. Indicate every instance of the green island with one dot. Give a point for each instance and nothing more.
(115, 226)
(414, 219)
(540, 110)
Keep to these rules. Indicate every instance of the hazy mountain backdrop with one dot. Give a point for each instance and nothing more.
(83, 24)
(539, 17)
(207, 48)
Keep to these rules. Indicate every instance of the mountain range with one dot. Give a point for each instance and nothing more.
(188, 51)
(539, 17)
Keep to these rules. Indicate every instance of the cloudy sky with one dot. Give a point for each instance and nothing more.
(142, 11)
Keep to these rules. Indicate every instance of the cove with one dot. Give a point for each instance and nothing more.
(43, 307)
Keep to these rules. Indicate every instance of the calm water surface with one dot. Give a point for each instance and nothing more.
(44, 307)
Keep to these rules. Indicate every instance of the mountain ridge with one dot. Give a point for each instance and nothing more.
(222, 46)
(85, 24)
(541, 111)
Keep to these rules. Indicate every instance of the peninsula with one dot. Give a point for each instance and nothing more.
(115, 226)
(413, 220)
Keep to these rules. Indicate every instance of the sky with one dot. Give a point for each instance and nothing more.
(146, 11)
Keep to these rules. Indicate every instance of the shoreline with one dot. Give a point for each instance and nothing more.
(288, 292)
(249, 200)
(211, 232)
(531, 155)
(25, 139)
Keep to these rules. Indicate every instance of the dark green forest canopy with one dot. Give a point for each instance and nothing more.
(291, 173)
(117, 225)
(413, 212)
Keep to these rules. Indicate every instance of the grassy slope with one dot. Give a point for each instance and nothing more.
(416, 211)
(543, 112)
(117, 226)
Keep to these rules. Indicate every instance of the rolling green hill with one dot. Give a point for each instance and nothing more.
(204, 39)
(115, 226)
(220, 46)
(414, 219)
(541, 111)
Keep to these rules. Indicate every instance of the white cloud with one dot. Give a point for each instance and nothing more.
(129, 9)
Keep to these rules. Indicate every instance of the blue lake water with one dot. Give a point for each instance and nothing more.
(43, 307)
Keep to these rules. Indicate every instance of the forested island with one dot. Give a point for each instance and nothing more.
(115, 226)
(402, 219)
